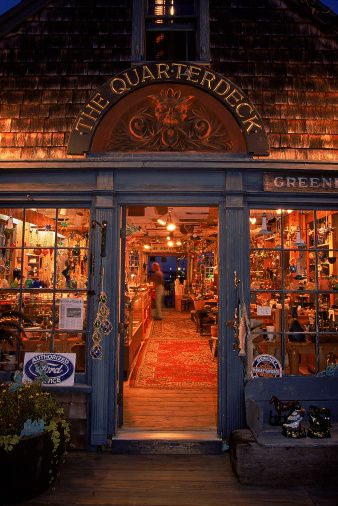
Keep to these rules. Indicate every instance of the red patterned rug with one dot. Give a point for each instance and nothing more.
(175, 356)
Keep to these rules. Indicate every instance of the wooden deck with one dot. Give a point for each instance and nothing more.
(104, 479)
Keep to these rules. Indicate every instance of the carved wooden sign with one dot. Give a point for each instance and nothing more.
(325, 183)
(186, 125)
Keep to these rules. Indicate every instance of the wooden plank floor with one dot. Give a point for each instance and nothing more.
(104, 479)
(154, 409)
(163, 410)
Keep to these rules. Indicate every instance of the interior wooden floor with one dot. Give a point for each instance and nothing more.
(170, 410)
(152, 409)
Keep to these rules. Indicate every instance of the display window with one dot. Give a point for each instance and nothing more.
(294, 287)
(43, 282)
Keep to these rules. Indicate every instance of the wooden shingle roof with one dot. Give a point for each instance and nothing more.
(54, 54)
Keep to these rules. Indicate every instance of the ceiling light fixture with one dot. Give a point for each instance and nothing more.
(168, 223)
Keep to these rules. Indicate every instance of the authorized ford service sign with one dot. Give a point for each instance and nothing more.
(53, 368)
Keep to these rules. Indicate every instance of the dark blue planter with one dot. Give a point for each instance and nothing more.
(29, 469)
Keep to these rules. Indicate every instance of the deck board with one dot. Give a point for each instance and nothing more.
(167, 480)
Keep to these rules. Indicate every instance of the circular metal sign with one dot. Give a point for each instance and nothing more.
(266, 366)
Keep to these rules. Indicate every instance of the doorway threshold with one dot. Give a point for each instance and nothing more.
(204, 435)
(131, 441)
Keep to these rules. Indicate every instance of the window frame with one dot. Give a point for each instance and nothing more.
(316, 248)
(53, 291)
(139, 32)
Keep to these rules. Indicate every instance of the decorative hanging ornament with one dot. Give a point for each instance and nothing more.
(9, 223)
(102, 327)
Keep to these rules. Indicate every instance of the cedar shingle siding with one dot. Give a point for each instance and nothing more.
(282, 54)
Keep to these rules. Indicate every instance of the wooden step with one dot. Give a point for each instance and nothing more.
(164, 443)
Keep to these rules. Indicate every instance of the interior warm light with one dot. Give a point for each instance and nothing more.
(279, 211)
(253, 220)
(146, 246)
(170, 244)
(161, 221)
(289, 211)
(171, 226)
(178, 243)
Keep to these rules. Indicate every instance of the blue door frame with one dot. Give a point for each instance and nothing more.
(230, 371)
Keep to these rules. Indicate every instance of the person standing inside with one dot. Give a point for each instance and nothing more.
(158, 284)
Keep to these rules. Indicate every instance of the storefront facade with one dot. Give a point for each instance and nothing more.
(107, 157)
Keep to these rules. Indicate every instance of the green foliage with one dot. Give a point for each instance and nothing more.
(29, 402)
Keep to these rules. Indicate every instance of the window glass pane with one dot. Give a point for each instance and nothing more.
(66, 342)
(32, 242)
(40, 227)
(300, 248)
(39, 308)
(36, 340)
(72, 268)
(171, 45)
(328, 351)
(38, 268)
(160, 8)
(265, 270)
(11, 227)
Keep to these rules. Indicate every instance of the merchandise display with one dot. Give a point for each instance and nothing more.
(293, 283)
(44, 275)
(184, 244)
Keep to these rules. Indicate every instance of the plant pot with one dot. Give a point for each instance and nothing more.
(29, 468)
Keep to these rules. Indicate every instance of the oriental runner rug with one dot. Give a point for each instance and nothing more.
(174, 356)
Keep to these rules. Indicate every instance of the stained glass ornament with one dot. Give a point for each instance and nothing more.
(101, 327)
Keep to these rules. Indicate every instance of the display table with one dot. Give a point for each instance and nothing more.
(137, 320)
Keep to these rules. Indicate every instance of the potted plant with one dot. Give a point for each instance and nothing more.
(33, 437)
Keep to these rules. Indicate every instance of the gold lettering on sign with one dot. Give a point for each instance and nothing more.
(221, 87)
(252, 124)
(234, 97)
(192, 71)
(207, 79)
(129, 78)
(118, 86)
(147, 74)
(91, 113)
(179, 69)
(218, 85)
(243, 105)
(164, 71)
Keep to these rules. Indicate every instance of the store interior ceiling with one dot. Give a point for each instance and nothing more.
(190, 223)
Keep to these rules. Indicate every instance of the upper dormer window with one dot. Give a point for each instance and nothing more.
(171, 30)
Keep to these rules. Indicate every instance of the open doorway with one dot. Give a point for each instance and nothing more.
(170, 362)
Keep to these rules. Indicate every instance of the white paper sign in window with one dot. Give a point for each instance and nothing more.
(71, 314)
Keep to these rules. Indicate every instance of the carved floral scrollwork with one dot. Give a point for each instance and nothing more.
(170, 121)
